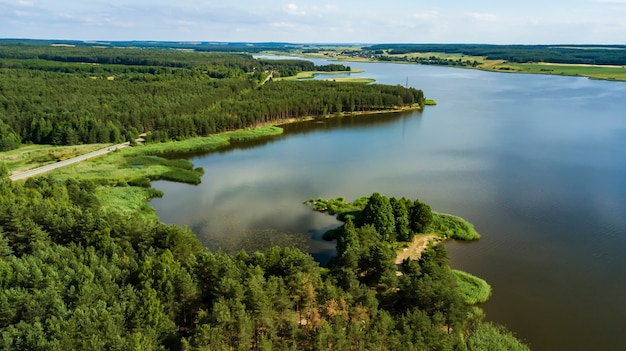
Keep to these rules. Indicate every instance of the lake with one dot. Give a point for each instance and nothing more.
(536, 162)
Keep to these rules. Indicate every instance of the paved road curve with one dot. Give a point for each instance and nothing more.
(69, 161)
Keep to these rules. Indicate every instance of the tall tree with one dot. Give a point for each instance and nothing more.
(401, 216)
(421, 217)
(379, 213)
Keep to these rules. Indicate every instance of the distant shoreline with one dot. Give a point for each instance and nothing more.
(600, 72)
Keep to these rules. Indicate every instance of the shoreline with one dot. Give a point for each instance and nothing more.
(207, 143)
(615, 73)
(291, 120)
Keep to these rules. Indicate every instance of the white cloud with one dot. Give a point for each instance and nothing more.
(283, 25)
(25, 3)
(485, 17)
(293, 9)
(180, 22)
(425, 16)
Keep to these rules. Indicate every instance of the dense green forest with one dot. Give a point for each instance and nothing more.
(571, 54)
(65, 96)
(74, 277)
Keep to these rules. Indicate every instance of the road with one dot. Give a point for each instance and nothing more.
(268, 78)
(69, 161)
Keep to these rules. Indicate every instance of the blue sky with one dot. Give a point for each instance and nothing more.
(338, 21)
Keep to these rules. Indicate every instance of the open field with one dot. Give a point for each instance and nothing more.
(130, 201)
(136, 166)
(32, 156)
(589, 71)
(141, 163)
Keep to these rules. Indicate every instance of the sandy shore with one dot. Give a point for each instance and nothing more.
(415, 248)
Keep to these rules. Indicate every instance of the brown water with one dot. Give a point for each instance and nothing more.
(537, 163)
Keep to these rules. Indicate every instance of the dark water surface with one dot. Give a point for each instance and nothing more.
(537, 163)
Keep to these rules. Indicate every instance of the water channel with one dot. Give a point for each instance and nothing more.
(536, 162)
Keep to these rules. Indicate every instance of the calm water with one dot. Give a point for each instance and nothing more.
(537, 163)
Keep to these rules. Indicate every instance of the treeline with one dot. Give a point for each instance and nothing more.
(72, 97)
(287, 68)
(294, 99)
(431, 60)
(227, 47)
(570, 54)
(127, 56)
(73, 277)
(281, 100)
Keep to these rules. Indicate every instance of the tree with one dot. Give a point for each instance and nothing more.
(4, 172)
(379, 213)
(9, 139)
(401, 216)
(378, 266)
(421, 217)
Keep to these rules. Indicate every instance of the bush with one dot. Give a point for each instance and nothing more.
(140, 182)
(473, 289)
(489, 337)
(453, 227)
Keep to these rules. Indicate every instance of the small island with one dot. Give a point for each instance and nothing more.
(391, 246)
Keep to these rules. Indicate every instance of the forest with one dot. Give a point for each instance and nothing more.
(66, 96)
(569, 54)
(234, 47)
(76, 277)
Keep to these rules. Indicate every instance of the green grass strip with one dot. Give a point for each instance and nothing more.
(453, 227)
(473, 289)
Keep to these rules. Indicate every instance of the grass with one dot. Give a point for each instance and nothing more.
(487, 336)
(338, 206)
(208, 143)
(32, 156)
(128, 201)
(473, 289)
(352, 80)
(589, 71)
(453, 227)
(311, 74)
(142, 162)
(135, 166)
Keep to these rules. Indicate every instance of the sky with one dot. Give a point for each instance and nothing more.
(307, 21)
